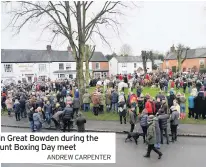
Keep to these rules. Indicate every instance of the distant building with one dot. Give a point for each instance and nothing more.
(159, 64)
(195, 60)
(29, 64)
(127, 64)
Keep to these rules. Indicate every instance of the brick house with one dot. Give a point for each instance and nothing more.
(100, 65)
(195, 60)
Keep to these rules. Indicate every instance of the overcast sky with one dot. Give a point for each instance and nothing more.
(153, 26)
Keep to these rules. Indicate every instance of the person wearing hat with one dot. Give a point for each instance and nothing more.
(174, 121)
(141, 103)
(170, 98)
(17, 109)
(132, 118)
(151, 138)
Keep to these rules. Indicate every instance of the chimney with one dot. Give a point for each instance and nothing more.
(172, 49)
(48, 48)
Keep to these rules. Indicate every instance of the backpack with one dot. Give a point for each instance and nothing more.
(95, 99)
(133, 99)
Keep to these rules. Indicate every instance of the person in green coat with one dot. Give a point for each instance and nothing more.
(86, 101)
(151, 138)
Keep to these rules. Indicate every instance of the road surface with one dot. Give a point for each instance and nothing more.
(188, 152)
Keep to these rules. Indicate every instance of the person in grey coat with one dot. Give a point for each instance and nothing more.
(132, 118)
(163, 118)
(76, 106)
(157, 130)
(56, 118)
(174, 122)
(27, 106)
(37, 120)
(143, 123)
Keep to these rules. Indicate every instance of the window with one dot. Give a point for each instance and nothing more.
(97, 66)
(105, 74)
(71, 76)
(68, 66)
(124, 64)
(42, 67)
(135, 65)
(8, 68)
(61, 66)
(61, 75)
(124, 72)
(97, 75)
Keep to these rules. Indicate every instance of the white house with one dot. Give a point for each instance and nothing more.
(127, 64)
(17, 64)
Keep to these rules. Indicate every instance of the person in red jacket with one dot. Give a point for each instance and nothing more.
(147, 77)
(129, 76)
(170, 74)
(148, 107)
(172, 84)
(120, 77)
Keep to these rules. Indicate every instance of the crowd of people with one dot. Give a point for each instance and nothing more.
(60, 102)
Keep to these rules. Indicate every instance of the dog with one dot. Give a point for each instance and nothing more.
(134, 135)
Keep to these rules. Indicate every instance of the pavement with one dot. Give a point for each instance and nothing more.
(193, 130)
(174, 154)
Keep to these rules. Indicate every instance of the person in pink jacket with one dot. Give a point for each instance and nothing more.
(9, 105)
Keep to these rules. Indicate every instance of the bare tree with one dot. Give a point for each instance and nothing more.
(70, 19)
(180, 49)
(125, 50)
(89, 51)
(145, 57)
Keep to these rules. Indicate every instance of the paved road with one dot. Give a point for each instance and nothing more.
(188, 152)
(112, 126)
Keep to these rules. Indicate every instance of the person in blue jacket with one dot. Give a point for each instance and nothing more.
(76, 93)
(191, 105)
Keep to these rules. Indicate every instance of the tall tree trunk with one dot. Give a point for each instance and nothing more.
(145, 66)
(87, 72)
(87, 55)
(80, 78)
(179, 65)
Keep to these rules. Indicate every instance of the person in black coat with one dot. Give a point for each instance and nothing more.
(67, 117)
(80, 122)
(200, 108)
(158, 105)
(171, 99)
(22, 102)
(162, 118)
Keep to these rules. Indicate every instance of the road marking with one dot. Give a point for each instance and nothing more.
(55, 165)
